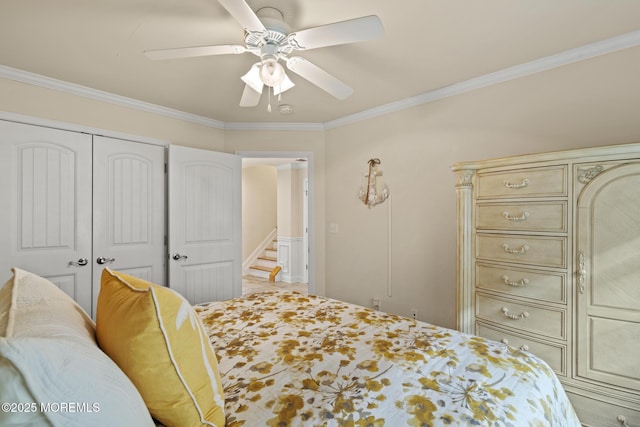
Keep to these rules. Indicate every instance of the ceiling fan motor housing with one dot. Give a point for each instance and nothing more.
(273, 41)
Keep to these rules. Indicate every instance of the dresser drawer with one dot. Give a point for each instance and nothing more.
(533, 182)
(522, 282)
(554, 354)
(597, 413)
(543, 216)
(521, 249)
(522, 316)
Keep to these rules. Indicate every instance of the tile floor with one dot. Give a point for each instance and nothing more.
(256, 284)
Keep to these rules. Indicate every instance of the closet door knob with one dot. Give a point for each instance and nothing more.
(103, 260)
(81, 262)
(176, 256)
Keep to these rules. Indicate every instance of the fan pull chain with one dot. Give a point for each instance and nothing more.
(269, 106)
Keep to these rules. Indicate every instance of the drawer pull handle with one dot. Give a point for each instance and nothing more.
(522, 217)
(623, 421)
(523, 347)
(522, 315)
(523, 249)
(513, 283)
(524, 183)
(582, 273)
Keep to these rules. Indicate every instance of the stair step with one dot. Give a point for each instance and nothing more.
(266, 263)
(261, 268)
(258, 273)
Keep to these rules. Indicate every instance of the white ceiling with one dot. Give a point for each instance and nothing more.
(428, 44)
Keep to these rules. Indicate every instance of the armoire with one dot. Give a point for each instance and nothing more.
(548, 261)
(75, 202)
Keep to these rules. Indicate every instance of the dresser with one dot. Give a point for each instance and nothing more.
(548, 262)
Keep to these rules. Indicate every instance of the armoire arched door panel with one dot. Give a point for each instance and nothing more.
(608, 305)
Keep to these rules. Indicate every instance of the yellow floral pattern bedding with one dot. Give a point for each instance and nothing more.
(288, 359)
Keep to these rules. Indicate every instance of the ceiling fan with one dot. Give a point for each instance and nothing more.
(268, 37)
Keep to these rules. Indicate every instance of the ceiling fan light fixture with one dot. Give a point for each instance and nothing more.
(272, 72)
(284, 86)
(252, 78)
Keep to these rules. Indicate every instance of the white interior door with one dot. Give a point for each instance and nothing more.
(128, 210)
(205, 220)
(46, 206)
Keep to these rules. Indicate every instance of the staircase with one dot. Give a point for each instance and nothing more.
(266, 262)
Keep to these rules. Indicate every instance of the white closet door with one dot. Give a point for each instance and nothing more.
(46, 206)
(205, 214)
(128, 210)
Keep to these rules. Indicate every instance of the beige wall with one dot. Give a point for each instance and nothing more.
(589, 103)
(43, 103)
(259, 206)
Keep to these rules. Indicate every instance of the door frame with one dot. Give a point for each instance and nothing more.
(308, 155)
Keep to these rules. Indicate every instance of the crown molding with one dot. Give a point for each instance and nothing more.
(98, 95)
(73, 127)
(285, 126)
(567, 57)
(570, 56)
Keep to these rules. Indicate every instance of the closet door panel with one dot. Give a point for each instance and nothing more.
(46, 209)
(205, 213)
(129, 210)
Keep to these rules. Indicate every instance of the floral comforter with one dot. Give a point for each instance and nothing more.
(288, 359)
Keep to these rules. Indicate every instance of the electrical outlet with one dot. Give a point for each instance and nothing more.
(414, 313)
(376, 304)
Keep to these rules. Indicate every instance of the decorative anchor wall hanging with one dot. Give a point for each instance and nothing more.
(370, 195)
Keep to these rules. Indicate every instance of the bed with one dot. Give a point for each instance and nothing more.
(265, 359)
(288, 359)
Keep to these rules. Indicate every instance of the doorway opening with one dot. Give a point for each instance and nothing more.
(277, 199)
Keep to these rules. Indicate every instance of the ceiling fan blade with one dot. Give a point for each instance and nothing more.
(242, 13)
(319, 77)
(350, 31)
(250, 98)
(189, 52)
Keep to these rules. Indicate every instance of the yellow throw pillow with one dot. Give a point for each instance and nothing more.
(154, 335)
